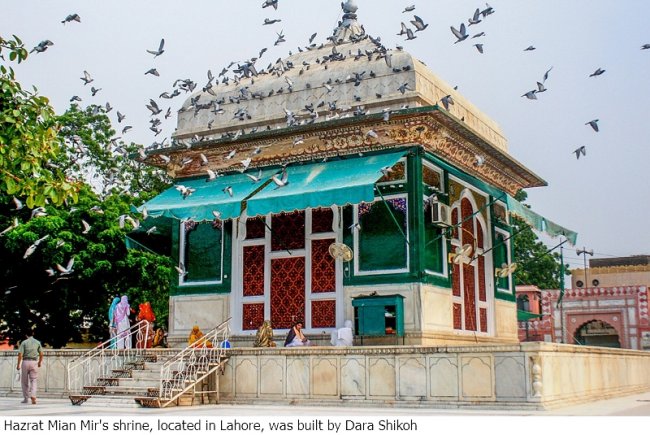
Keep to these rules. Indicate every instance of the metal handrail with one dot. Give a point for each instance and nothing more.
(101, 360)
(193, 364)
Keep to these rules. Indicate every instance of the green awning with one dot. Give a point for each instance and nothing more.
(208, 196)
(524, 316)
(338, 182)
(539, 222)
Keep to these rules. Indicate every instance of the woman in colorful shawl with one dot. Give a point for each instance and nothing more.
(121, 315)
(264, 337)
(196, 338)
(145, 330)
(112, 326)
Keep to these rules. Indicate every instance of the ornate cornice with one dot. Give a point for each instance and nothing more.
(429, 128)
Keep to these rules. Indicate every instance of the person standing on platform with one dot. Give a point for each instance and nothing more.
(121, 316)
(30, 358)
(112, 325)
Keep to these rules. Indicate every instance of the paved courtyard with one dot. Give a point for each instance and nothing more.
(634, 405)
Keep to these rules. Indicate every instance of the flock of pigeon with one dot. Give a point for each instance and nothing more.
(236, 72)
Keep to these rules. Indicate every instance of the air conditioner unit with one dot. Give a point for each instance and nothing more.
(440, 214)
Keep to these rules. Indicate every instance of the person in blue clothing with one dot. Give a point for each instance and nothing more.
(112, 325)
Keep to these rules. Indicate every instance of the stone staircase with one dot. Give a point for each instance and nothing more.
(138, 379)
(144, 378)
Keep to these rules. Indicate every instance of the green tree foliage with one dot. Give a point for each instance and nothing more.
(63, 306)
(73, 167)
(93, 154)
(29, 140)
(536, 266)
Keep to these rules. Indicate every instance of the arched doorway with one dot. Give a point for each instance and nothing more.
(597, 333)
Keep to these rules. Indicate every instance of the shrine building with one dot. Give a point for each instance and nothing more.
(348, 175)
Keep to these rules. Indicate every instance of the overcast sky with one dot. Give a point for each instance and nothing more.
(604, 196)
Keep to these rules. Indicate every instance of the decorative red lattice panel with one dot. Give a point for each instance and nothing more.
(469, 297)
(455, 281)
(287, 291)
(454, 222)
(323, 273)
(288, 231)
(321, 220)
(252, 316)
(479, 234)
(254, 270)
(468, 222)
(482, 296)
(323, 314)
(255, 228)
(483, 313)
(458, 316)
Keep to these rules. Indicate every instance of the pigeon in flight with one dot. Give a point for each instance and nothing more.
(281, 181)
(546, 74)
(10, 227)
(268, 3)
(582, 150)
(645, 47)
(447, 101)
(405, 87)
(280, 38)
(94, 90)
(211, 175)
(72, 17)
(18, 203)
(181, 270)
(86, 226)
(419, 24)
(460, 34)
(593, 124)
(530, 48)
(34, 245)
(268, 21)
(530, 95)
(160, 50)
(479, 47)
(67, 270)
(255, 178)
(596, 73)
(42, 46)
(153, 72)
(86, 78)
(408, 9)
(476, 18)
(120, 117)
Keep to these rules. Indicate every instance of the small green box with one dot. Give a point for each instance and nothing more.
(379, 315)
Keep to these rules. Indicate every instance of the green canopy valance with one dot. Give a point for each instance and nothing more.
(524, 316)
(337, 182)
(539, 222)
(223, 195)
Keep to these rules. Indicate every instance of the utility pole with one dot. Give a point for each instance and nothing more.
(584, 253)
(560, 300)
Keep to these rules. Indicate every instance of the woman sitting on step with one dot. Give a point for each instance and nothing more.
(196, 338)
(295, 337)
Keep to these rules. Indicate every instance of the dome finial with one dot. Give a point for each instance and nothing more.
(349, 7)
(349, 29)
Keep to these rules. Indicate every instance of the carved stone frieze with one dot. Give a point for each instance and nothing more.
(426, 129)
